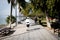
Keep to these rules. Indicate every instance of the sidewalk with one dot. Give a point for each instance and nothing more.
(19, 29)
(36, 32)
(52, 31)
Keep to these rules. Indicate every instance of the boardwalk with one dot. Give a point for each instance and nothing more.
(36, 32)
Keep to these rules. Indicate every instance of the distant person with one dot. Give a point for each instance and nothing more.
(40, 20)
(27, 22)
(35, 19)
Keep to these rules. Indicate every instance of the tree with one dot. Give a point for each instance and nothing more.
(20, 2)
(31, 11)
(50, 8)
(57, 8)
(8, 19)
(45, 5)
(12, 5)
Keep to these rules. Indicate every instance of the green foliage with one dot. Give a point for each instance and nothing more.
(8, 1)
(50, 4)
(12, 21)
(26, 11)
(12, 2)
(51, 7)
(34, 12)
(22, 4)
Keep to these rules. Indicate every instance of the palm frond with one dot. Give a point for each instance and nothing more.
(8, 1)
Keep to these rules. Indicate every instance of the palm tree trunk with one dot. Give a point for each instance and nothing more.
(11, 16)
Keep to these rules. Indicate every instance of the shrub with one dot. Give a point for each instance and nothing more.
(12, 21)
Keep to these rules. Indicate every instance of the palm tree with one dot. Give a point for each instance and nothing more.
(41, 4)
(12, 5)
(21, 3)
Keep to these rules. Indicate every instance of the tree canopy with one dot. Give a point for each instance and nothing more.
(51, 7)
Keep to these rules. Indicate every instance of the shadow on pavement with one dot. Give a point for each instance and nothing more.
(33, 29)
(8, 34)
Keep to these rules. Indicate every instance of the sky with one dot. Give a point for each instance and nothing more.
(4, 11)
(27, 0)
(4, 8)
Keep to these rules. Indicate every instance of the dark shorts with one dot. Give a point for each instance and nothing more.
(28, 25)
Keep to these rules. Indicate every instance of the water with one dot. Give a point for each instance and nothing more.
(3, 19)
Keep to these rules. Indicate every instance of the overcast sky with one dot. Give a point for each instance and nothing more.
(4, 8)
